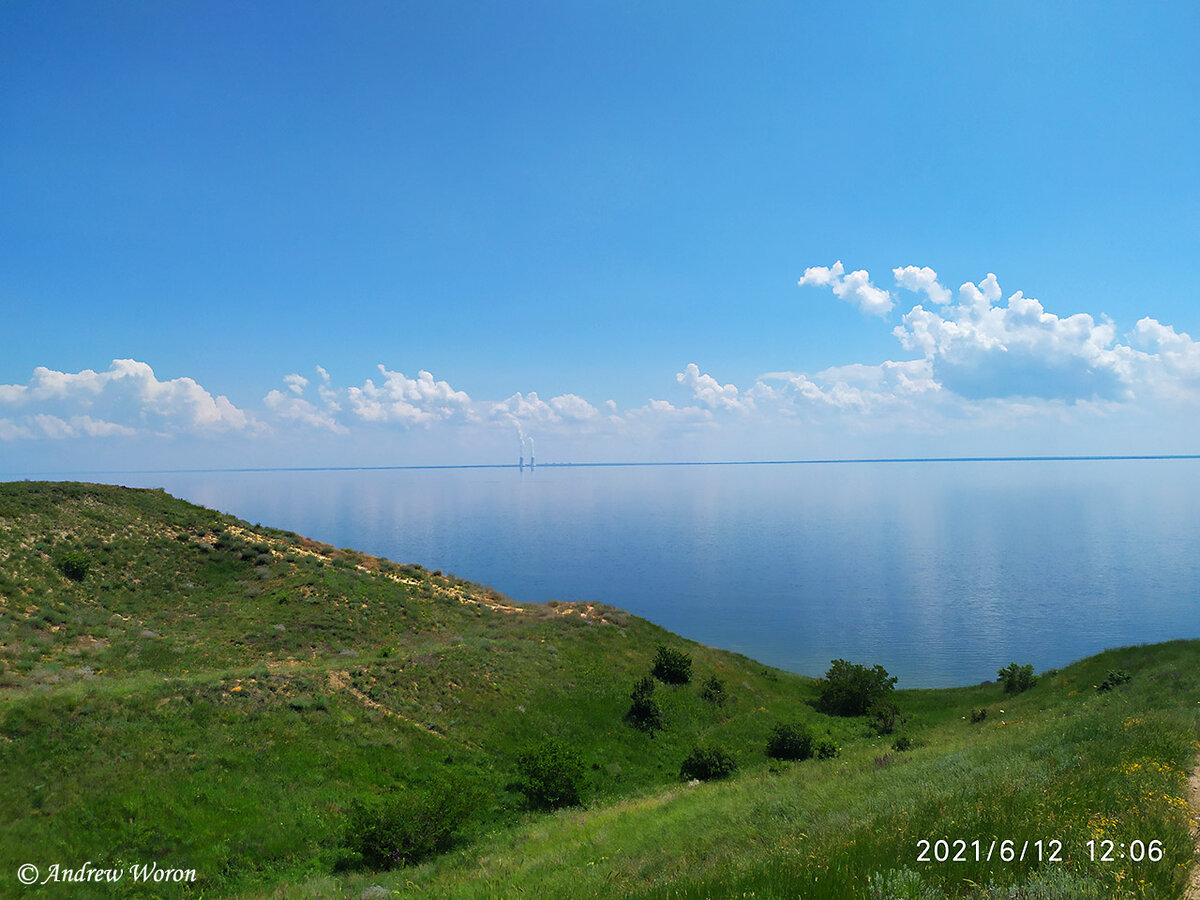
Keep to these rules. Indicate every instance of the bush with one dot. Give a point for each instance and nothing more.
(850, 690)
(672, 666)
(1115, 678)
(978, 715)
(410, 827)
(885, 717)
(1017, 678)
(550, 774)
(903, 743)
(707, 763)
(792, 741)
(74, 565)
(645, 713)
(714, 691)
(827, 750)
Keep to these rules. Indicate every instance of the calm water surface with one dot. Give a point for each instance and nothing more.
(940, 571)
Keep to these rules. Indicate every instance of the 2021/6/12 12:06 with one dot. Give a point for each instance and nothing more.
(1041, 850)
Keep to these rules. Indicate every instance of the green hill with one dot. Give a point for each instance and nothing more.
(182, 688)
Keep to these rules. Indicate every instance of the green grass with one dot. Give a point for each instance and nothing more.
(217, 696)
(1062, 762)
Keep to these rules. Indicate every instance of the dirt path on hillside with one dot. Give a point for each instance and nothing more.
(1193, 889)
(340, 681)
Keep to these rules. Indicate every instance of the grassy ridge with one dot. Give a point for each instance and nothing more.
(1061, 762)
(218, 696)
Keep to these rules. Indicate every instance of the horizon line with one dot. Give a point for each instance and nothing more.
(594, 465)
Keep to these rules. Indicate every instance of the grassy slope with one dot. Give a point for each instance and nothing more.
(1062, 761)
(216, 696)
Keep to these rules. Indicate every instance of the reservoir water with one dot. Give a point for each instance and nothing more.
(940, 571)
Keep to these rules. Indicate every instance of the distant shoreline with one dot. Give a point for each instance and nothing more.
(614, 465)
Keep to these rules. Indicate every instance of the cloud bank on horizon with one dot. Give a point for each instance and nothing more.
(974, 361)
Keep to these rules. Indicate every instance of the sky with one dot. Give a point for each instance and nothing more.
(438, 233)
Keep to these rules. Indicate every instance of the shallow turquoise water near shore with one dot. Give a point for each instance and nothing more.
(940, 571)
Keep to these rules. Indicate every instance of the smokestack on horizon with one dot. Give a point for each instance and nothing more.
(524, 440)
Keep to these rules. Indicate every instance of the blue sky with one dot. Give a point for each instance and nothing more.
(237, 234)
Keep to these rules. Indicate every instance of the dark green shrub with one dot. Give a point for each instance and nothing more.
(714, 691)
(411, 826)
(707, 763)
(1017, 678)
(885, 717)
(827, 750)
(645, 713)
(672, 666)
(903, 743)
(793, 741)
(978, 715)
(851, 689)
(1115, 678)
(550, 774)
(74, 565)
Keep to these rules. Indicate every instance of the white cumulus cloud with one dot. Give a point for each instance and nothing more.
(56, 428)
(922, 280)
(709, 392)
(297, 409)
(413, 401)
(980, 349)
(530, 408)
(855, 288)
(126, 399)
(1176, 352)
(856, 386)
(294, 406)
(10, 430)
(572, 407)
